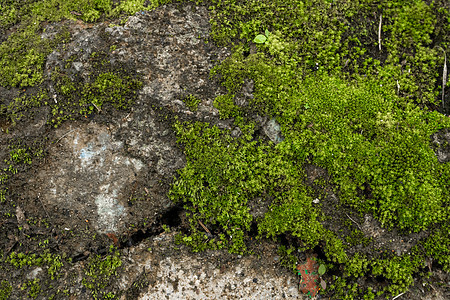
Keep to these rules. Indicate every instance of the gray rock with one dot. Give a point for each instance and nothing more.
(33, 274)
(273, 131)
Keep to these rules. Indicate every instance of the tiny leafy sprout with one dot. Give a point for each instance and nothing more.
(262, 38)
(322, 270)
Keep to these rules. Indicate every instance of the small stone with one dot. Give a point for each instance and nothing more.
(77, 65)
(316, 201)
(33, 274)
(273, 131)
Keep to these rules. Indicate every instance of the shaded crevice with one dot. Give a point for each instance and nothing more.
(171, 218)
(139, 236)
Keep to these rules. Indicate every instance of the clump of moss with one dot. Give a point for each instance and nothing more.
(437, 246)
(99, 272)
(23, 55)
(341, 108)
(389, 150)
(33, 287)
(114, 85)
(54, 262)
(5, 290)
(24, 51)
(21, 106)
(341, 37)
(192, 102)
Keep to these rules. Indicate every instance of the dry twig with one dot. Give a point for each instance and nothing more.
(99, 110)
(444, 78)
(397, 296)
(354, 222)
(379, 32)
(204, 227)
(65, 135)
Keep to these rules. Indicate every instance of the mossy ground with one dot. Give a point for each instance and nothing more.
(361, 110)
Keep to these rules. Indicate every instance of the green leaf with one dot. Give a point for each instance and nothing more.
(267, 33)
(322, 269)
(260, 39)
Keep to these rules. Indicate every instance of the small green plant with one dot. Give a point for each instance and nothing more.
(322, 269)
(192, 102)
(262, 38)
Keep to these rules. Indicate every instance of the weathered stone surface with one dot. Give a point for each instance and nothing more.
(93, 165)
(110, 173)
(159, 269)
(192, 276)
(87, 175)
(441, 142)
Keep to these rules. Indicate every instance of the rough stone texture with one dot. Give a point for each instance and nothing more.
(167, 46)
(95, 168)
(111, 173)
(86, 175)
(441, 143)
(93, 164)
(192, 278)
(273, 131)
(158, 269)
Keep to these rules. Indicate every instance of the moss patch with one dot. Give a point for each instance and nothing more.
(23, 52)
(354, 100)
(99, 273)
(343, 105)
(115, 85)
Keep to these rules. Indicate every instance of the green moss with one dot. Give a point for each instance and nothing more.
(5, 290)
(131, 7)
(54, 262)
(357, 237)
(391, 132)
(397, 271)
(99, 272)
(3, 192)
(21, 106)
(23, 53)
(20, 157)
(342, 37)
(436, 246)
(192, 102)
(342, 105)
(219, 198)
(33, 287)
(288, 257)
(116, 86)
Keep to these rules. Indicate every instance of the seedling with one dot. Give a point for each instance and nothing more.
(322, 269)
(262, 38)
